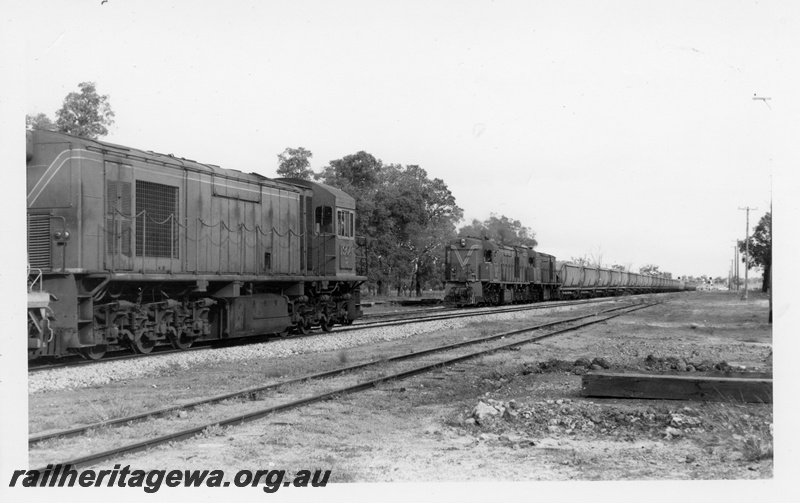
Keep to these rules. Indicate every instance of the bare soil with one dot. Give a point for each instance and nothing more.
(424, 429)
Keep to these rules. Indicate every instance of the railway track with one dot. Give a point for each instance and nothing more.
(398, 318)
(492, 343)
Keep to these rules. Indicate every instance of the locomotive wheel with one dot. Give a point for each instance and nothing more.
(181, 341)
(327, 325)
(94, 352)
(348, 321)
(144, 345)
(302, 328)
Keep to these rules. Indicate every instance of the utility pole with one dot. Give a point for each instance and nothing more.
(730, 277)
(735, 267)
(746, 246)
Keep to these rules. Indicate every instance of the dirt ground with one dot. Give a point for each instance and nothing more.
(511, 416)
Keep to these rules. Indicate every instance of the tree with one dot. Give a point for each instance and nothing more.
(406, 217)
(597, 257)
(618, 267)
(85, 113)
(503, 231)
(590, 259)
(359, 170)
(359, 175)
(650, 269)
(760, 249)
(581, 261)
(39, 121)
(423, 214)
(294, 163)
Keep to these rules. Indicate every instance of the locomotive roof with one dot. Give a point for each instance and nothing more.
(496, 245)
(157, 158)
(338, 193)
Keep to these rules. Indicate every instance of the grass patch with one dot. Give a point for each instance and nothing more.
(215, 430)
(111, 409)
(172, 369)
(741, 429)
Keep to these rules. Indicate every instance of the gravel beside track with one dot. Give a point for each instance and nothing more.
(108, 372)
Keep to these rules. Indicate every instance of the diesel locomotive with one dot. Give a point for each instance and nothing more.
(481, 272)
(132, 248)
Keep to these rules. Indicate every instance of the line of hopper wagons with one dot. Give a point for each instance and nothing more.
(134, 249)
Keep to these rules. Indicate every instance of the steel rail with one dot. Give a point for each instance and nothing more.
(92, 459)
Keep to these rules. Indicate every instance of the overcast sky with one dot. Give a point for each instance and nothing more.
(625, 129)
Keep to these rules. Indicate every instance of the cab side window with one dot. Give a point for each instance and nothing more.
(323, 219)
(344, 223)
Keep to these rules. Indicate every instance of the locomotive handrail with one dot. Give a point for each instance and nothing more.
(38, 278)
(64, 243)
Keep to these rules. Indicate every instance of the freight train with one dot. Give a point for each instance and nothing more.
(481, 272)
(132, 249)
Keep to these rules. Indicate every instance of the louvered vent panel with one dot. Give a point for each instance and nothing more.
(39, 241)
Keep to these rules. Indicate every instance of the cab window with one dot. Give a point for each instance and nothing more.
(344, 223)
(323, 219)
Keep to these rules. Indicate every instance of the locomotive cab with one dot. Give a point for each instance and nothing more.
(330, 229)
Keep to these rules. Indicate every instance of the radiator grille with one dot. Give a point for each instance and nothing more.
(39, 241)
(156, 232)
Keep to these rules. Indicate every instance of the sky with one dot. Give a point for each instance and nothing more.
(625, 130)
